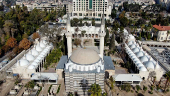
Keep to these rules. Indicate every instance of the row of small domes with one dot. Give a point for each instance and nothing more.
(34, 52)
(143, 56)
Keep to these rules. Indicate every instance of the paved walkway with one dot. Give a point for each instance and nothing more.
(21, 91)
(62, 88)
(44, 90)
(7, 88)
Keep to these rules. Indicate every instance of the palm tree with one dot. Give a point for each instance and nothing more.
(167, 79)
(95, 90)
(154, 78)
(112, 82)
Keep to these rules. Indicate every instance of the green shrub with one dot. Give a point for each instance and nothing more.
(150, 92)
(151, 87)
(167, 90)
(39, 91)
(58, 89)
(126, 87)
(132, 91)
(145, 88)
(49, 88)
(137, 87)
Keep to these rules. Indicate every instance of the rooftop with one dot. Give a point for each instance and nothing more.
(84, 56)
(127, 77)
(162, 28)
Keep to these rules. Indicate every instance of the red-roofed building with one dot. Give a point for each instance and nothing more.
(163, 32)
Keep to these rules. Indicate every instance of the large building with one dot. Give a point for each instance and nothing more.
(84, 67)
(142, 63)
(45, 5)
(91, 9)
(163, 32)
(32, 61)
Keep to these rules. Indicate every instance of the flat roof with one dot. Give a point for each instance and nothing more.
(108, 63)
(127, 77)
(44, 76)
(61, 63)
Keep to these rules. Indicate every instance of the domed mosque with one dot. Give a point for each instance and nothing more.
(84, 67)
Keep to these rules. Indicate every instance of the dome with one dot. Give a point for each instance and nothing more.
(84, 56)
(31, 67)
(42, 45)
(135, 50)
(139, 54)
(29, 57)
(34, 52)
(142, 68)
(133, 46)
(44, 41)
(131, 36)
(34, 63)
(38, 48)
(23, 62)
(149, 64)
(139, 64)
(143, 59)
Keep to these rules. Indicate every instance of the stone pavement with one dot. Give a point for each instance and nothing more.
(62, 88)
(44, 90)
(6, 87)
(21, 91)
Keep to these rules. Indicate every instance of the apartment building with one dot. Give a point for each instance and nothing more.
(91, 9)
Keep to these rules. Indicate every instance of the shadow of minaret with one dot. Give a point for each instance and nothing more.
(84, 85)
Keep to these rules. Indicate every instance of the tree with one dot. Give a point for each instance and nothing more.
(106, 37)
(124, 21)
(113, 13)
(137, 87)
(35, 35)
(95, 90)
(144, 88)
(167, 80)
(112, 43)
(11, 42)
(53, 34)
(5, 48)
(112, 82)
(70, 94)
(16, 50)
(77, 42)
(24, 44)
(30, 84)
(0, 52)
(93, 22)
(25, 35)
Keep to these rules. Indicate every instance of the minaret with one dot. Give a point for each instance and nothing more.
(68, 36)
(102, 35)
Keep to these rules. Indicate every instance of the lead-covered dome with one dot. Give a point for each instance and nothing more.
(84, 56)
(135, 50)
(23, 62)
(42, 45)
(139, 54)
(34, 52)
(29, 57)
(143, 59)
(38, 48)
(150, 64)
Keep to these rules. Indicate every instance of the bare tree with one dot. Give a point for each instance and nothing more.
(53, 33)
